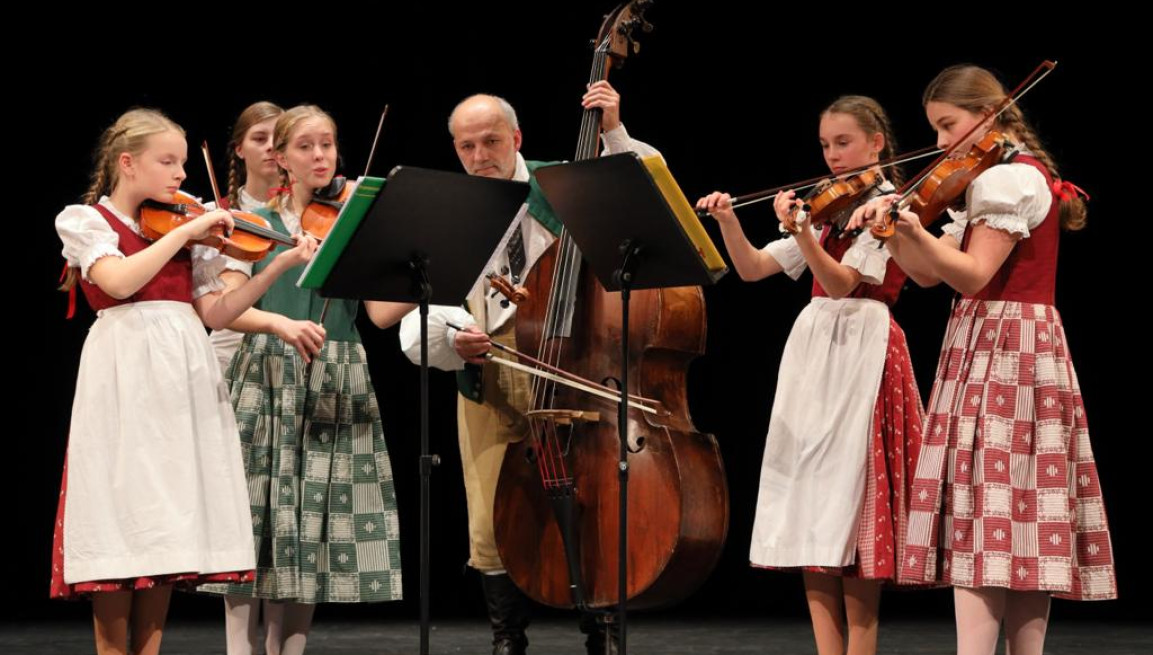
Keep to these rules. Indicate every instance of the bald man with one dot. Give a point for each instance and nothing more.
(493, 400)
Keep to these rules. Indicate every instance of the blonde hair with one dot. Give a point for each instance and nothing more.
(253, 114)
(285, 126)
(128, 134)
(978, 91)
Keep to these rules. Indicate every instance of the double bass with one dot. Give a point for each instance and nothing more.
(557, 502)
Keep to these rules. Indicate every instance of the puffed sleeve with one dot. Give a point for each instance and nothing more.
(207, 265)
(1010, 197)
(868, 258)
(87, 237)
(788, 254)
(958, 222)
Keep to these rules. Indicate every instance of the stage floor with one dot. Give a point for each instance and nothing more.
(556, 637)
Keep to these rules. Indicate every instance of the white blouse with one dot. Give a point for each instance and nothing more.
(865, 255)
(1011, 197)
(88, 237)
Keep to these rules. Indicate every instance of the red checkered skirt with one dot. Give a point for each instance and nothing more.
(1006, 492)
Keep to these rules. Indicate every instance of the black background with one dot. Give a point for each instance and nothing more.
(730, 97)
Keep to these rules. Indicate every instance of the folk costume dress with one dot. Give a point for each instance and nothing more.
(323, 502)
(153, 489)
(845, 427)
(1006, 492)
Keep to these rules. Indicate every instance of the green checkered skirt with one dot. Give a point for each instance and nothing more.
(324, 513)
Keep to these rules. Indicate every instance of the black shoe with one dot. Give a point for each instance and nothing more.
(505, 646)
(508, 611)
(600, 636)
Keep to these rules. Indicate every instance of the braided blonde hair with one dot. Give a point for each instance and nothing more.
(129, 134)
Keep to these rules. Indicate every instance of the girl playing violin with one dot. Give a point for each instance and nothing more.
(847, 415)
(252, 175)
(137, 513)
(1006, 503)
(323, 504)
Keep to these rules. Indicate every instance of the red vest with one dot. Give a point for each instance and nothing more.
(885, 292)
(1029, 274)
(173, 282)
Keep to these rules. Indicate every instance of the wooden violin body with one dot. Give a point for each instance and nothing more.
(833, 200)
(251, 240)
(944, 185)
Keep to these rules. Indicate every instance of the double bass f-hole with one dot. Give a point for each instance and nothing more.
(636, 442)
(556, 519)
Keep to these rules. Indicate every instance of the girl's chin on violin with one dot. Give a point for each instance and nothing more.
(318, 179)
(167, 195)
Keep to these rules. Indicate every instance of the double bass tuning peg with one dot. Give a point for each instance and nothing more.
(643, 24)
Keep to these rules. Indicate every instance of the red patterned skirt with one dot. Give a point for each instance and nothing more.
(1006, 492)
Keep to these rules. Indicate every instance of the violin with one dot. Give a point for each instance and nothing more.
(943, 187)
(943, 183)
(252, 237)
(321, 212)
(833, 200)
(251, 240)
(769, 194)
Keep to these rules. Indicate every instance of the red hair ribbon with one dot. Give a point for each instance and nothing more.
(1066, 190)
(71, 292)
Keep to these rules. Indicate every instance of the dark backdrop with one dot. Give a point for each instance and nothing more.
(731, 99)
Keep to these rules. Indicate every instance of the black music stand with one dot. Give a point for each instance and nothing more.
(632, 239)
(423, 240)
